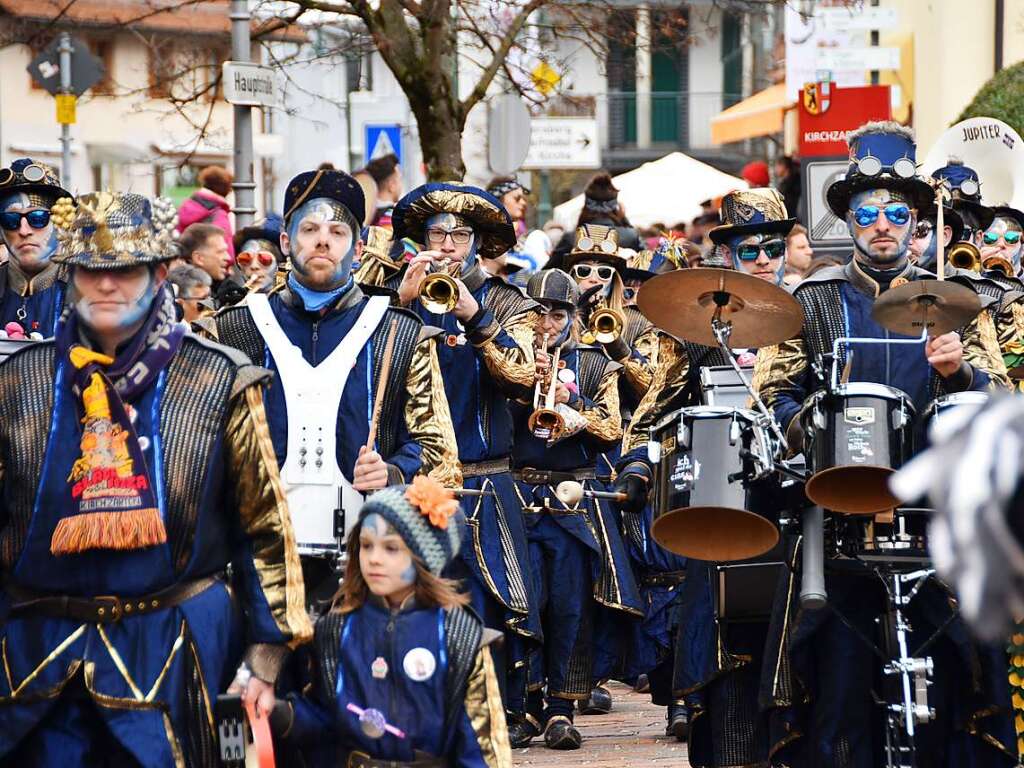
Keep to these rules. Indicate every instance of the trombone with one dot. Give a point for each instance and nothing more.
(439, 293)
(545, 422)
(606, 324)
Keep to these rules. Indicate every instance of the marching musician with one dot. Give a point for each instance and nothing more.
(712, 675)
(358, 401)
(258, 254)
(576, 549)
(1004, 238)
(32, 283)
(486, 358)
(136, 467)
(597, 264)
(819, 673)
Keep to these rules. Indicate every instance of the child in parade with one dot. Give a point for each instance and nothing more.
(402, 673)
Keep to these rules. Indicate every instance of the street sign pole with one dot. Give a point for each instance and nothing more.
(544, 208)
(244, 185)
(65, 128)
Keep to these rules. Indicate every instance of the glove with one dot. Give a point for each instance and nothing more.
(635, 488)
(281, 717)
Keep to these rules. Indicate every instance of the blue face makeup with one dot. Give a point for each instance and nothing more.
(135, 312)
(375, 524)
(408, 576)
(322, 210)
(863, 236)
(21, 201)
(449, 221)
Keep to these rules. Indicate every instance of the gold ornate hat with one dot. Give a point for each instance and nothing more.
(595, 242)
(751, 212)
(113, 230)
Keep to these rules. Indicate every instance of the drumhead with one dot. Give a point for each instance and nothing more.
(870, 389)
(957, 399)
(716, 412)
(853, 489)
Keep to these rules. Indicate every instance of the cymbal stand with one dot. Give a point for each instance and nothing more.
(723, 330)
(914, 675)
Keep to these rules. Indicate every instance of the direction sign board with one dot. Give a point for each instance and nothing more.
(86, 69)
(381, 140)
(250, 85)
(563, 142)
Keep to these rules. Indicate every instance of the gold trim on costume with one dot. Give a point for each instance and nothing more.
(119, 663)
(202, 683)
(428, 416)
(50, 658)
(167, 664)
(484, 708)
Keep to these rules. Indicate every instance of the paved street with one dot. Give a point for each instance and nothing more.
(633, 734)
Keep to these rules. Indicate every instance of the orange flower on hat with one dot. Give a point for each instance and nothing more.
(433, 500)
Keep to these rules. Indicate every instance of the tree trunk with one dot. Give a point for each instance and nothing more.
(440, 127)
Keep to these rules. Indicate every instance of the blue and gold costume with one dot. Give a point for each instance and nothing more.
(32, 298)
(133, 675)
(484, 362)
(819, 676)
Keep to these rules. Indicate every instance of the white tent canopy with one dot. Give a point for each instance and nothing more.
(667, 190)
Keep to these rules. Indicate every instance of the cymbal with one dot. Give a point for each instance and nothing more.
(938, 306)
(684, 302)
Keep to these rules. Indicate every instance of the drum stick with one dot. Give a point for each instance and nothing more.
(812, 579)
(470, 492)
(385, 371)
(571, 492)
(940, 226)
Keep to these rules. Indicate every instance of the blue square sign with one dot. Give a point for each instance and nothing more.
(382, 140)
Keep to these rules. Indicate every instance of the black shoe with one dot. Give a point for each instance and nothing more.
(643, 684)
(521, 733)
(598, 703)
(560, 733)
(678, 722)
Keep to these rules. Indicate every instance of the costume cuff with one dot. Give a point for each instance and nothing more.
(618, 350)
(481, 327)
(962, 379)
(637, 468)
(395, 475)
(265, 660)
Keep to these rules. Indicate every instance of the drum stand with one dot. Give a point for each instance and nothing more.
(913, 674)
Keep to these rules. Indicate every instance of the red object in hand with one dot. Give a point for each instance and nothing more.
(14, 330)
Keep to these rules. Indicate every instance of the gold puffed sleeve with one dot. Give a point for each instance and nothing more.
(376, 269)
(252, 474)
(604, 419)
(640, 373)
(512, 367)
(428, 417)
(980, 342)
(668, 385)
(782, 370)
(486, 713)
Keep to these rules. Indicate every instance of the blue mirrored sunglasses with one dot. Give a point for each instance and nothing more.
(896, 213)
(11, 220)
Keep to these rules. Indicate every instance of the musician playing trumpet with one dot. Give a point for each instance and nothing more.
(577, 554)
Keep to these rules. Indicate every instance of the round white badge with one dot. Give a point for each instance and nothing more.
(566, 376)
(419, 664)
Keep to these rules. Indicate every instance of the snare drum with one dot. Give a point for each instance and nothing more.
(709, 460)
(856, 437)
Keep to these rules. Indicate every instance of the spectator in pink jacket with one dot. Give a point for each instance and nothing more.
(208, 204)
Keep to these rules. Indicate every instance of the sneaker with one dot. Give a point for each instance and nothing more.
(521, 733)
(598, 703)
(678, 722)
(560, 733)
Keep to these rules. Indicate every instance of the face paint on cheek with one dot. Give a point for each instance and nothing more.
(408, 576)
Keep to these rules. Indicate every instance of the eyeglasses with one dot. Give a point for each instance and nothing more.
(896, 213)
(582, 272)
(194, 298)
(459, 236)
(773, 249)
(265, 257)
(11, 220)
(1010, 238)
(923, 229)
(31, 173)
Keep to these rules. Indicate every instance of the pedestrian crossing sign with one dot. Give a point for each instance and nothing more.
(381, 140)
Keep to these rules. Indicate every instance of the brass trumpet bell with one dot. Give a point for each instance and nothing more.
(546, 424)
(964, 255)
(439, 293)
(998, 263)
(606, 325)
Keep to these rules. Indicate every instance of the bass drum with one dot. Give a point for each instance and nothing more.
(856, 437)
(710, 463)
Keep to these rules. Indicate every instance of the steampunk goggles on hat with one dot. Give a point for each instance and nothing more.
(587, 244)
(33, 173)
(869, 165)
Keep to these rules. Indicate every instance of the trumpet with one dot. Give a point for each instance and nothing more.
(545, 422)
(998, 263)
(964, 255)
(439, 293)
(606, 325)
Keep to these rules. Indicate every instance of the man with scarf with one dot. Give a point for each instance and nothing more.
(358, 403)
(32, 284)
(709, 674)
(486, 358)
(578, 559)
(136, 468)
(819, 674)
